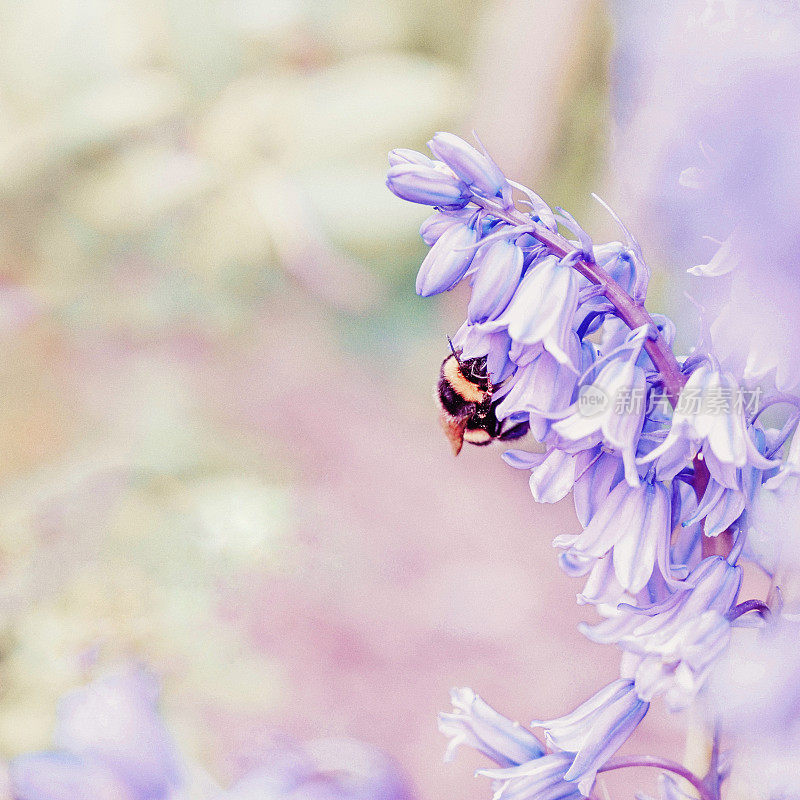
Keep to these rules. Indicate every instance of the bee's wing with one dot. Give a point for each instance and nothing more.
(454, 428)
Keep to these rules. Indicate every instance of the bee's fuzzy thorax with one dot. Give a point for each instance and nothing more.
(467, 389)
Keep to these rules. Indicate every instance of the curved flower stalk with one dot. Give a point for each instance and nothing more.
(664, 453)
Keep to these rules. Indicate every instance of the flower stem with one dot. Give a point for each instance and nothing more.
(623, 762)
(631, 313)
(749, 605)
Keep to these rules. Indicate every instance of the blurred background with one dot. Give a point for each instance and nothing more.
(219, 455)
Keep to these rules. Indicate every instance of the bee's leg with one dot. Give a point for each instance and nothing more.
(514, 432)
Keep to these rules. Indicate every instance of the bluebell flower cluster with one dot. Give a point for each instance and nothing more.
(669, 464)
(111, 743)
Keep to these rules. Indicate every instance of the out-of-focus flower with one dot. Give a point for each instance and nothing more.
(753, 696)
(112, 745)
(109, 734)
(774, 515)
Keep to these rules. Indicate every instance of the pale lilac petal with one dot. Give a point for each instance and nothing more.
(115, 720)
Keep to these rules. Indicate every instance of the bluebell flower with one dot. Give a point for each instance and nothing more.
(593, 487)
(543, 308)
(440, 221)
(108, 734)
(448, 260)
(671, 644)
(677, 667)
(542, 386)
(430, 185)
(474, 168)
(498, 268)
(713, 585)
(633, 523)
(602, 588)
(554, 472)
(610, 410)
(541, 779)
(595, 730)
(708, 419)
(476, 724)
(488, 339)
(526, 771)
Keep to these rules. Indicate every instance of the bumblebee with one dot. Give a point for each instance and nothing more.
(466, 409)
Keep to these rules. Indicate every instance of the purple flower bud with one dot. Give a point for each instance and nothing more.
(431, 186)
(596, 730)
(447, 261)
(498, 269)
(439, 222)
(479, 726)
(474, 168)
(402, 155)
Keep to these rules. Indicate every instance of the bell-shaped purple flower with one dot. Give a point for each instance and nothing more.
(477, 725)
(633, 523)
(473, 167)
(486, 339)
(708, 418)
(610, 410)
(543, 308)
(430, 185)
(677, 667)
(542, 386)
(498, 269)
(440, 221)
(596, 730)
(673, 643)
(594, 486)
(525, 771)
(448, 260)
(603, 589)
(534, 780)
(553, 473)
